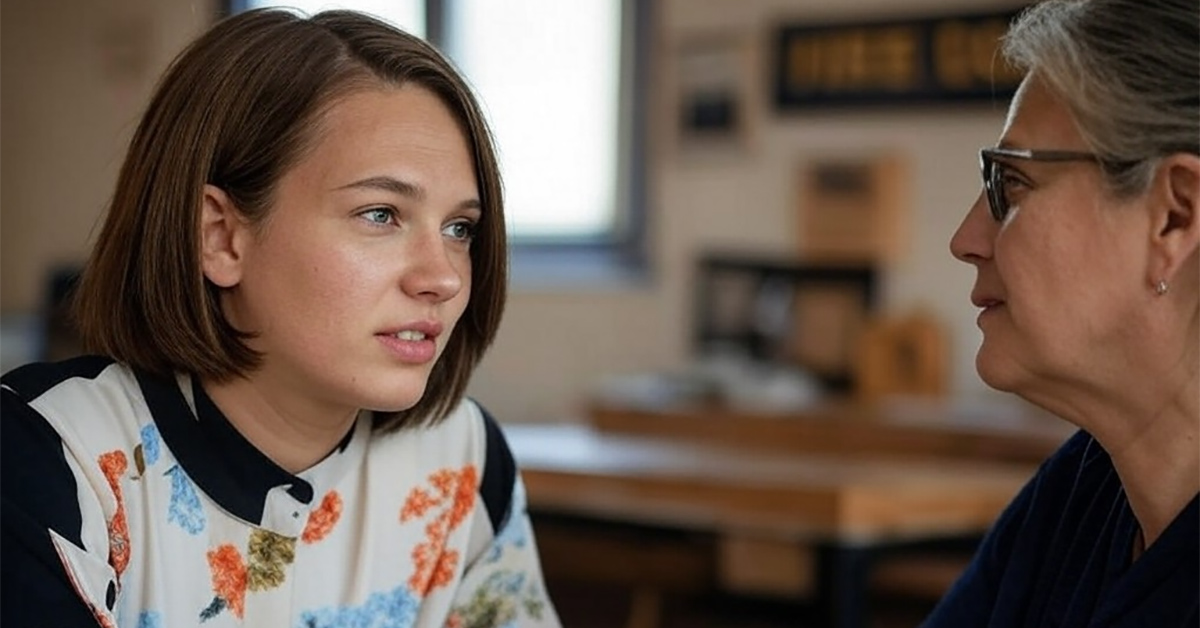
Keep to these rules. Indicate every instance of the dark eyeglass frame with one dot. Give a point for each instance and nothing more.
(997, 201)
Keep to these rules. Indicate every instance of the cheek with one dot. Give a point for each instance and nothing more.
(329, 290)
(463, 297)
(336, 277)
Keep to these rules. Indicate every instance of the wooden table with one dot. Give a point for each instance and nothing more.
(849, 507)
(896, 428)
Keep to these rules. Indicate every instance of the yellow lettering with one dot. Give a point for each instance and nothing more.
(894, 58)
(952, 65)
(964, 56)
(804, 62)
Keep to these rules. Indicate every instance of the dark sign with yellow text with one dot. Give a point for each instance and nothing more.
(901, 61)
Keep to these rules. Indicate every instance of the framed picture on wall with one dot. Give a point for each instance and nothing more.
(712, 95)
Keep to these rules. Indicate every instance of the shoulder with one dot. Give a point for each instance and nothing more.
(91, 386)
(468, 437)
(45, 400)
(1079, 465)
(491, 452)
(1011, 553)
(52, 431)
(1078, 462)
(31, 381)
(67, 427)
(92, 402)
(499, 472)
(1059, 497)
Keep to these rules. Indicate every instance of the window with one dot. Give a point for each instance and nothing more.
(562, 86)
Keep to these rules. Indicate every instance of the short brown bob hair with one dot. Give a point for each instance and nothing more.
(237, 109)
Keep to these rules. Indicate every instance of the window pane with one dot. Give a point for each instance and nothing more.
(547, 72)
(407, 14)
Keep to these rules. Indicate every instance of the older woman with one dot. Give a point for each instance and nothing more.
(1085, 242)
(302, 263)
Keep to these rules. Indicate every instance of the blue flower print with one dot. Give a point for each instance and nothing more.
(150, 443)
(506, 583)
(395, 609)
(185, 509)
(498, 602)
(512, 533)
(149, 619)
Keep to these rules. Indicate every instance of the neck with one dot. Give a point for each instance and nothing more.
(1159, 463)
(1153, 439)
(293, 438)
(1150, 426)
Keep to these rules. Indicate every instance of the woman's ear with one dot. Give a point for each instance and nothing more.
(1175, 207)
(223, 234)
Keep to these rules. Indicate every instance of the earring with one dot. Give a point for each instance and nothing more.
(1161, 287)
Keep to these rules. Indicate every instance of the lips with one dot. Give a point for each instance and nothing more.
(415, 331)
(985, 300)
(412, 343)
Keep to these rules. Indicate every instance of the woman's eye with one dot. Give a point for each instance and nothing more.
(379, 215)
(1010, 181)
(464, 231)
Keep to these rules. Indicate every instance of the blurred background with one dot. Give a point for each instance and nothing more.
(737, 359)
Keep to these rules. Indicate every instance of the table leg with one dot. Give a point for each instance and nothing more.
(844, 589)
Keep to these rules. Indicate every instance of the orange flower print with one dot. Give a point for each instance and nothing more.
(114, 464)
(229, 577)
(418, 503)
(443, 570)
(321, 521)
(464, 496)
(454, 492)
(443, 481)
(434, 566)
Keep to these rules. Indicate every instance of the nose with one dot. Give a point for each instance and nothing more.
(435, 271)
(972, 242)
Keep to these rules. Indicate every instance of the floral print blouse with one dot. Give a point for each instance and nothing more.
(130, 501)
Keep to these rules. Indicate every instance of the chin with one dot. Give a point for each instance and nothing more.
(396, 404)
(997, 371)
(398, 399)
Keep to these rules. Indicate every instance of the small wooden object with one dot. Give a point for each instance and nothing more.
(854, 210)
(902, 356)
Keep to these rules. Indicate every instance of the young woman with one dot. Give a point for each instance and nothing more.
(302, 263)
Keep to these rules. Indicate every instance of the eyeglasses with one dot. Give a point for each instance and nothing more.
(993, 171)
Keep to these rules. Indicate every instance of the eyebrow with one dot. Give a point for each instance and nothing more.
(402, 188)
(388, 184)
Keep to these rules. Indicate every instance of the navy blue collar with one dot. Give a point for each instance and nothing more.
(222, 463)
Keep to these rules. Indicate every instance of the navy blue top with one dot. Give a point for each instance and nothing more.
(1059, 556)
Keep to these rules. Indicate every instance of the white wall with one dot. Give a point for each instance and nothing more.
(75, 75)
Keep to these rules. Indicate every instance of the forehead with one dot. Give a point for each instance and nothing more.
(382, 128)
(1039, 119)
(377, 108)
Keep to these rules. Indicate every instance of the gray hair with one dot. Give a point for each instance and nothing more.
(1128, 70)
